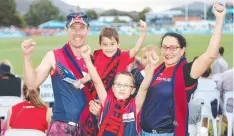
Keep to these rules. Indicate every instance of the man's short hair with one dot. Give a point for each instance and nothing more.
(221, 51)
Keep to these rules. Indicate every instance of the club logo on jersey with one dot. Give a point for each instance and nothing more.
(128, 117)
(164, 79)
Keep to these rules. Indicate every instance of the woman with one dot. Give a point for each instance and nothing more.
(32, 113)
(165, 111)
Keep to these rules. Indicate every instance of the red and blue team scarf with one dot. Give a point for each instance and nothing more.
(87, 120)
(109, 73)
(113, 122)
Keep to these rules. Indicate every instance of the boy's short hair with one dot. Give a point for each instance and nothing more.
(126, 73)
(109, 32)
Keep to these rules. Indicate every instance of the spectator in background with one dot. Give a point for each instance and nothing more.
(9, 84)
(7, 62)
(205, 82)
(195, 58)
(226, 81)
(219, 65)
(226, 84)
(5, 71)
(32, 113)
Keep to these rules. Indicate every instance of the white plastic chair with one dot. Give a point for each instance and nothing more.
(6, 102)
(24, 132)
(227, 95)
(205, 97)
(197, 130)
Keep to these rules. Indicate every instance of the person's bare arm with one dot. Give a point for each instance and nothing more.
(9, 117)
(136, 49)
(85, 79)
(204, 61)
(101, 91)
(149, 71)
(34, 78)
(49, 114)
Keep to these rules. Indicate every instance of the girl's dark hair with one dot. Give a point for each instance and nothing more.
(181, 40)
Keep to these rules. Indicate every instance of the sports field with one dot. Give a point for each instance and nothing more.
(197, 44)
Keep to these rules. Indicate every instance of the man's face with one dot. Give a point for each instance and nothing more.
(77, 34)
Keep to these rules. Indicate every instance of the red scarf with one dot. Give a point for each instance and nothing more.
(109, 73)
(86, 119)
(113, 122)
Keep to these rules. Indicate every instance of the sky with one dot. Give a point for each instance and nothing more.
(134, 5)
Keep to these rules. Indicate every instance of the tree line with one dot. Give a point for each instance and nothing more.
(43, 10)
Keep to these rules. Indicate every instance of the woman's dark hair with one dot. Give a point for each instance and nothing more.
(207, 73)
(181, 40)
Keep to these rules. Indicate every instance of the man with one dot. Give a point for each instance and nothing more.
(224, 84)
(70, 104)
(10, 84)
(5, 71)
(219, 64)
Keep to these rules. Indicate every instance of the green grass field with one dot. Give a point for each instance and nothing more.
(197, 44)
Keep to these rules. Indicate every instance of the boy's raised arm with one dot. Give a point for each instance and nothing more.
(136, 49)
(101, 91)
(149, 71)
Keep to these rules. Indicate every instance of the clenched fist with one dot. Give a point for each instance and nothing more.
(85, 51)
(219, 11)
(143, 26)
(28, 46)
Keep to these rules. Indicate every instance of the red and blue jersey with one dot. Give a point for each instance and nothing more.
(165, 108)
(69, 102)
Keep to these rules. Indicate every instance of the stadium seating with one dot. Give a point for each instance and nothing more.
(206, 97)
(227, 95)
(6, 102)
